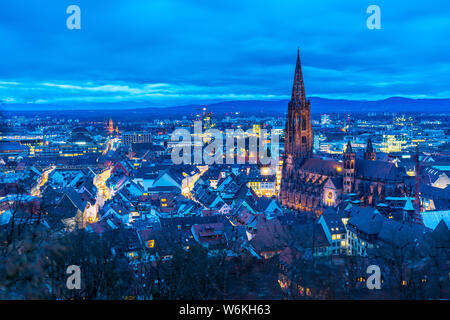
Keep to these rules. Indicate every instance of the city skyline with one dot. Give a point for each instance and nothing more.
(224, 151)
(154, 55)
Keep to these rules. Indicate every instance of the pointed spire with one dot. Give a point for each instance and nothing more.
(349, 148)
(369, 146)
(298, 89)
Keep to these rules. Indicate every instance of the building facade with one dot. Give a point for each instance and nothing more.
(128, 138)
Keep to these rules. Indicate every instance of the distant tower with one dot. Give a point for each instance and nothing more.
(298, 139)
(370, 153)
(110, 126)
(349, 169)
(299, 136)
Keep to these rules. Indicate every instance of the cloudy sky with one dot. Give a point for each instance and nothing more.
(168, 52)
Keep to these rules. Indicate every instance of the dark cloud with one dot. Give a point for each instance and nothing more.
(208, 50)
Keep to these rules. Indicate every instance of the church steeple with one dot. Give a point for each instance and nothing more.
(349, 148)
(349, 169)
(298, 88)
(298, 135)
(370, 152)
(110, 126)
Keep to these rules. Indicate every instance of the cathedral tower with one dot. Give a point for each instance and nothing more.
(110, 126)
(298, 136)
(370, 153)
(349, 169)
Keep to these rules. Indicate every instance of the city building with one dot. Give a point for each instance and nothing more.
(129, 138)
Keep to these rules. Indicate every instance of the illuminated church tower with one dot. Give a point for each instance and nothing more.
(298, 138)
(110, 126)
(310, 184)
(349, 169)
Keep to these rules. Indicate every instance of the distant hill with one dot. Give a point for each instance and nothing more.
(249, 107)
(321, 105)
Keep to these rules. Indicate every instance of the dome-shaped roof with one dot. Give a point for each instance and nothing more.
(80, 135)
(80, 138)
(80, 130)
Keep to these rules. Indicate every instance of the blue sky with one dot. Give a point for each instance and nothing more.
(167, 52)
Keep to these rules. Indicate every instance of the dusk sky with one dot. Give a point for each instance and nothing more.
(165, 52)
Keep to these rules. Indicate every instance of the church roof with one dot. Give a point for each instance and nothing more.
(320, 166)
(337, 182)
(377, 170)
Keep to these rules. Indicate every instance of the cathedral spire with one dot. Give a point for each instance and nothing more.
(369, 154)
(298, 89)
(298, 141)
(349, 148)
(369, 145)
(299, 136)
(349, 169)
